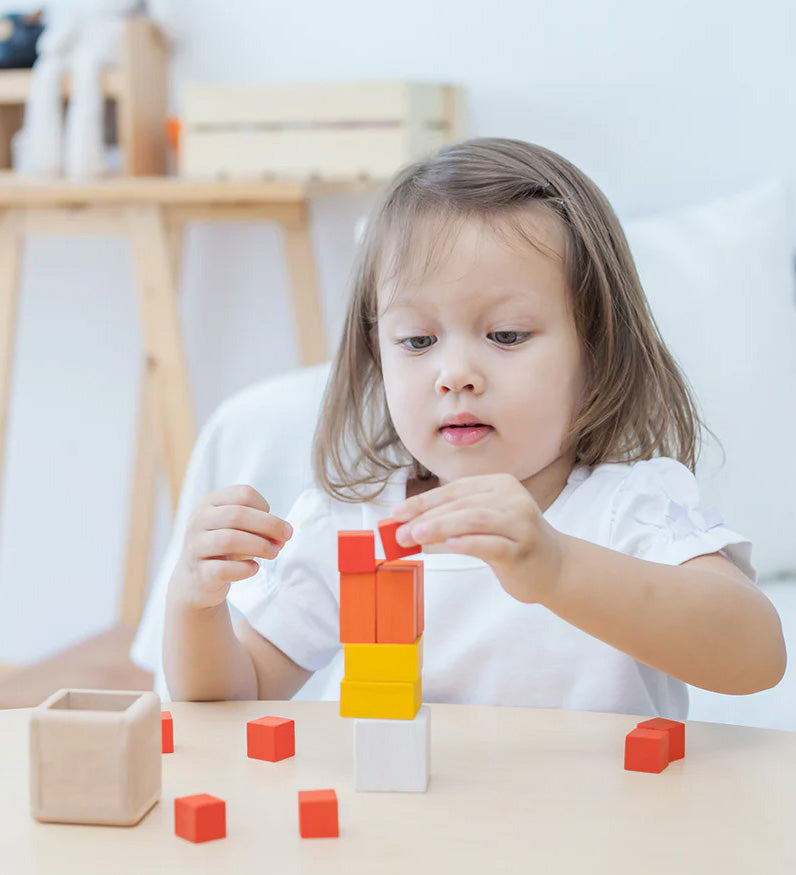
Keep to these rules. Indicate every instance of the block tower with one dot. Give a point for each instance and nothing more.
(381, 629)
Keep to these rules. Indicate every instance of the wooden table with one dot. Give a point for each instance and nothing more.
(512, 790)
(152, 212)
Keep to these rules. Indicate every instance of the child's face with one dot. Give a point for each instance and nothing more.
(456, 342)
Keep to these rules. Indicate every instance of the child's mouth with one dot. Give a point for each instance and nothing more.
(464, 435)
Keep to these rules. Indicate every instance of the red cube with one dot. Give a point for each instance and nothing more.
(200, 818)
(356, 550)
(271, 738)
(318, 814)
(676, 732)
(392, 549)
(166, 732)
(646, 750)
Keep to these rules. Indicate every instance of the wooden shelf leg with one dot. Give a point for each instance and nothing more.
(149, 453)
(11, 244)
(163, 339)
(139, 536)
(304, 284)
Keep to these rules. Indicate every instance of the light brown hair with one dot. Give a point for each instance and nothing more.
(636, 404)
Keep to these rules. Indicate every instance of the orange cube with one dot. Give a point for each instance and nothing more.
(358, 607)
(166, 732)
(646, 750)
(271, 738)
(200, 818)
(356, 551)
(318, 814)
(392, 549)
(397, 605)
(676, 732)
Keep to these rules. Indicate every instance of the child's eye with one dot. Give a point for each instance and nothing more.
(509, 335)
(417, 337)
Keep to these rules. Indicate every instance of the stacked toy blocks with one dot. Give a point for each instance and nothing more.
(653, 744)
(381, 629)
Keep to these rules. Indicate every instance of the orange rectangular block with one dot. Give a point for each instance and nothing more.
(396, 602)
(166, 732)
(418, 564)
(358, 607)
(356, 551)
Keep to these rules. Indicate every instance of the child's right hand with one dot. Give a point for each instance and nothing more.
(227, 529)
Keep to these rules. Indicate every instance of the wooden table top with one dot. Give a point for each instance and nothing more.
(512, 790)
(25, 191)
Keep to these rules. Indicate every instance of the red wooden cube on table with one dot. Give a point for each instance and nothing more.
(166, 732)
(356, 550)
(200, 818)
(392, 549)
(647, 750)
(318, 814)
(398, 601)
(676, 731)
(271, 738)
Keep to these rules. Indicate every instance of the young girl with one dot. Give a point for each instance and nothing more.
(502, 390)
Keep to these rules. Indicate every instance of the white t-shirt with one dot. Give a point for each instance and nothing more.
(480, 645)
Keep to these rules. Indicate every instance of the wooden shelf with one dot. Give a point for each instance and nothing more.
(24, 191)
(15, 86)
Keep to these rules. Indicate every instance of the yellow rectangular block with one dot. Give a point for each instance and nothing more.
(380, 701)
(384, 662)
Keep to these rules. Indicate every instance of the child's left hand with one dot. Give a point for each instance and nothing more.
(494, 518)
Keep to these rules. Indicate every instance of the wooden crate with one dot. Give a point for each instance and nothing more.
(304, 130)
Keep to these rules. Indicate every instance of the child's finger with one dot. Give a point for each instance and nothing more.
(431, 518)
(220, 543)
(451, 492)
(242, 494)
(223, 571)
(435, 528)
(248, 519)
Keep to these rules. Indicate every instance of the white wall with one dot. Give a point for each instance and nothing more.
(662, 105)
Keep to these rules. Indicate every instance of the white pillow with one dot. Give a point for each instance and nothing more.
(720, 281)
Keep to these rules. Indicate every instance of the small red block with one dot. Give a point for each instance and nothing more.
(676, 732)
(646, 750)
(166, 732)
(200, 818)
(318, 814)
(392, 549)
(356, 550)
(271, 738)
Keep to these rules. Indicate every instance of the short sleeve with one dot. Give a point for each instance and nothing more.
(657, 515)
(292, 600)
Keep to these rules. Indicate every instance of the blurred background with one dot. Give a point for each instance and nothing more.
(684, 115)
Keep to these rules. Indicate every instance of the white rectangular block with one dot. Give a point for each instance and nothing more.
(393, 755)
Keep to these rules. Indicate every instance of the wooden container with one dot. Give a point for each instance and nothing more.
(95, 757)
(314, 130)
